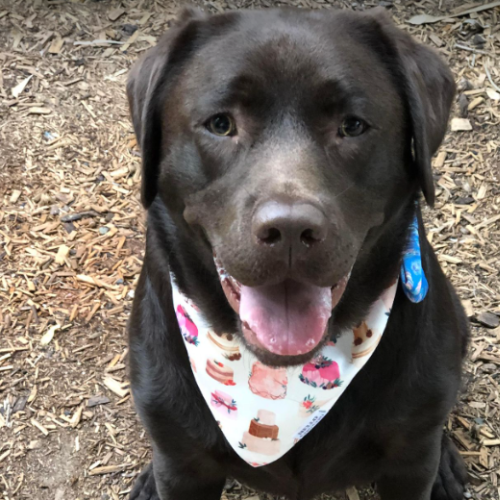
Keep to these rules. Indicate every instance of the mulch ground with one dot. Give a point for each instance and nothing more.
(72, 236)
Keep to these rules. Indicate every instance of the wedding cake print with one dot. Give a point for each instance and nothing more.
(268, 382)
(322, 372)
(227, 345)
(262, 410)
(224, 403)
(365, 341)
(262, 434)
(188, 329)
(218, 371)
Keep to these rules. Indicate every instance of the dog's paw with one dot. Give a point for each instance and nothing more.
(145, 486)
(452, 475)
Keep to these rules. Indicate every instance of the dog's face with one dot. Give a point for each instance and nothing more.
(281, 140)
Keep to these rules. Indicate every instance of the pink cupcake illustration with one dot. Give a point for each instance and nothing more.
(188, 328)
(322, 373)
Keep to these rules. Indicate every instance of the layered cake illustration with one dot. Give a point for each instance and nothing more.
(227, 344)
(268, 382)
(188, 328)
(224, 403)
(262, 435)
(364, 341)
(321, 373)
(220, 372)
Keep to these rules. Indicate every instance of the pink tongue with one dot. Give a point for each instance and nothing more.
(289, 318)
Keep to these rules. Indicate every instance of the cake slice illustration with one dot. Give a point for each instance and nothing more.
(224, 403)
(268, 382)
(262, 434)
(364, 342)
(227, 343)
(188, 328)
(219, 372)
(321, 373)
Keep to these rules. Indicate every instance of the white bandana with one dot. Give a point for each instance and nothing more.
(264, 411)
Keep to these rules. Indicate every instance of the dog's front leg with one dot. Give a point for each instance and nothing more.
(439, 474)
(166, 480)
(413, 478)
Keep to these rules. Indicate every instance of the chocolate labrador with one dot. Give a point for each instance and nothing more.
(295, 146)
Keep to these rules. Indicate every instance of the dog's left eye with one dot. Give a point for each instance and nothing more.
(222, 125)
(352, 127)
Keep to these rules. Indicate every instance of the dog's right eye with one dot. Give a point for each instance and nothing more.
(352, 127)
(222, 125)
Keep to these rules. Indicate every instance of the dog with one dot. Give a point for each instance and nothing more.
(294, 146)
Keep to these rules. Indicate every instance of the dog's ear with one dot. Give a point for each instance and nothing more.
(429, 89)
(145, 90)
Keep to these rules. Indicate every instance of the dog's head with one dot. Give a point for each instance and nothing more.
(283, 141)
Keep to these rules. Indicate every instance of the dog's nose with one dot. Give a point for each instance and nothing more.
(285, 225)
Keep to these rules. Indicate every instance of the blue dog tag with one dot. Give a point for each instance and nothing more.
(413, 278)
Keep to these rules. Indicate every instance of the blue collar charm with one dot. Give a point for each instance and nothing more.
(413, 279)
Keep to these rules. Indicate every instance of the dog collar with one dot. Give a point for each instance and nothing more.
(264, 411)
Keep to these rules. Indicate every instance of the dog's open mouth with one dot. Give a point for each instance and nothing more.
(287, 319)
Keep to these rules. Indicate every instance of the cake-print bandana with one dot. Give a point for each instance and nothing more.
(413, 278)
(263, 411)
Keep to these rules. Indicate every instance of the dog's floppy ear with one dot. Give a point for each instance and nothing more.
(145, 90)
(429, 90)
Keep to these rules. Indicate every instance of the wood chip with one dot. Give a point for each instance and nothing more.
(352, 493)
(108, 469)
(114, 14)
(36, 110)
(97, 401)
(440, 159)
(436, 40)
(493, 94)
(56, 45)
(460, 124)
(49, 335)
(491, 442)
(62, 254)
(39, 426)
(488, 319)
(468, 307)
(18, 89)
(475, 103)
(15, 195)
(115, 386)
